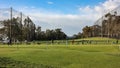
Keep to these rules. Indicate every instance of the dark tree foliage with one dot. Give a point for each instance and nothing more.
(56, 34)
(19, 31)
(28, 31)
(87, 31)
(110, 27)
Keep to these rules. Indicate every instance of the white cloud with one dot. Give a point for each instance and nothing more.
(97, 11)
(50, 2)
(111, 4)
(4, 14)
(85, 10)
(86, 16)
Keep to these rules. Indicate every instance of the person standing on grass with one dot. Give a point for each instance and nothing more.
(52, 41)
(117, 41)
(73, 42)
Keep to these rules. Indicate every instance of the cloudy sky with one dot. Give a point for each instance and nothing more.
(70, 15)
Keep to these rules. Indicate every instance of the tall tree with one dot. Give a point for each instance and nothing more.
(87, 31)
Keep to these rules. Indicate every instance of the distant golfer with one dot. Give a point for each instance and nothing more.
(73, 42)
(117, 41)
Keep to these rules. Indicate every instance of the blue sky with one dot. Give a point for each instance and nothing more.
(64, 6)
(70, 15)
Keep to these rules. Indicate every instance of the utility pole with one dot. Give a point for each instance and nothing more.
(93, 30)
(109, 22)
(102, 23)
(21, 24)
(21, 19)
(10, 25)
(108, 29)
(102, 27)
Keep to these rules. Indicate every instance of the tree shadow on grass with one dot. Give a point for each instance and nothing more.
(6, 62)
(114, 54)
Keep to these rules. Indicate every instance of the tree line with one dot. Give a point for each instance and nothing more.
(56, 34)
(110, 27)
(27, 30)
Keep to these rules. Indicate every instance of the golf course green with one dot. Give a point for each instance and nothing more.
(60, 56)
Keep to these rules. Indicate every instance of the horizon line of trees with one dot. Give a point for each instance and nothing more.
(110, 28)
(28, 31)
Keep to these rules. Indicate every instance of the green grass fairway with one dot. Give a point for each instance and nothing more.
(60, 56)
(97, 38)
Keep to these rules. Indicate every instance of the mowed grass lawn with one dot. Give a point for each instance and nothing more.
(61, 56)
